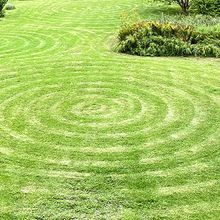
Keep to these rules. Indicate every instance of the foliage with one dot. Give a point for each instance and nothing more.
(167, 39)
(197, 20)
(208, 7)
(2, 5)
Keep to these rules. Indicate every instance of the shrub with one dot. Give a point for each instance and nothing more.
(167, 39)
(207, 7)
(2, 5)
(9, 7)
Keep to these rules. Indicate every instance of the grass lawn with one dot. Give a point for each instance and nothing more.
(86, 133)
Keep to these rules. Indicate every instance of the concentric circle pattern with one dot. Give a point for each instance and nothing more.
(86, 133)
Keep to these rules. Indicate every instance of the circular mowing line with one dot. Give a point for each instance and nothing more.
(64, 16)
(48, 174)
(104, 115)
(22, 44)
(72, 164)
(18, 52)
(156, 173)
(201, 187)
(38, 44)
(5, 105)
(69, 133)
(185, 91)
(200, 147)
(177, 211)
(171, 172)
(32, 46)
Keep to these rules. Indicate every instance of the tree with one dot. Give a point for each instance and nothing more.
(2, 5)
(185, 5)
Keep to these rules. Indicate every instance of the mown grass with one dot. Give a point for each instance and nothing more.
(86, 133)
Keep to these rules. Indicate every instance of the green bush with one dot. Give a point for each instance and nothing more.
(9, 7)
(2, 5)
(207, 7)
(167, 39)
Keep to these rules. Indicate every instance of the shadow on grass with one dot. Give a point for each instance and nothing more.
(150, 11)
